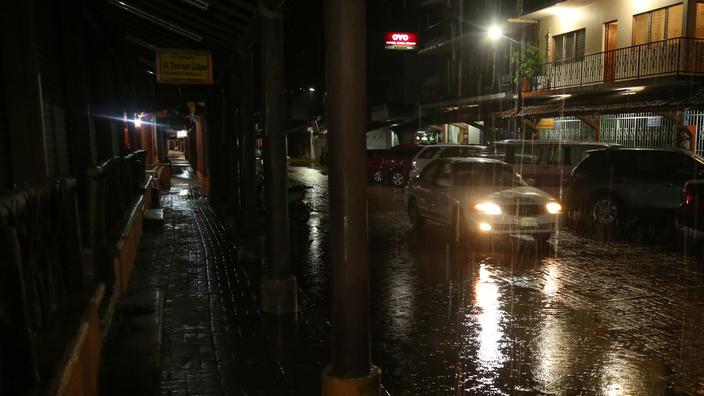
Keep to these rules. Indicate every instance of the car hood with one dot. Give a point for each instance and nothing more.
(524, 195)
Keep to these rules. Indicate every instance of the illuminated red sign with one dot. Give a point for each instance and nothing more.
(401, 40)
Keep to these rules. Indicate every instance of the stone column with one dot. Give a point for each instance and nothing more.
(351, 371)
(278, 284)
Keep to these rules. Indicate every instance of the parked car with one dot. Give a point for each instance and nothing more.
(480, 196)
(374, 159)
(613, 185)
(431, 152)
(396, 163)
(548, 162)
(690, 213)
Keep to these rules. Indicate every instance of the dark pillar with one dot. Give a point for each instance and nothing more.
(351, 371)
(248, 166)
(213, 126)
(23, 93)
(278, 284)
(230, 152)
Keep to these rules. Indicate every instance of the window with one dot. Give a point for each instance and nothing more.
(528, 154)
(428, 153)
(452, 152)
(662, 24)
(429, 172)
(560, 155)
(483, 175)
(569, 46)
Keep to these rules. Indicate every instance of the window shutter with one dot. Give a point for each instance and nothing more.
(569, 45)
(657, 25)
(640, 29)
(580, 43)
(700, 20)
(674, 21)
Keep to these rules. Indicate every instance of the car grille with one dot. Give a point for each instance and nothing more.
(524, 210)
(515, 227)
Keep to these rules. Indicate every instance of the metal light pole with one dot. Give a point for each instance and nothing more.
(495, 33)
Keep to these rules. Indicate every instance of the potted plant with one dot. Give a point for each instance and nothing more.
(528, 66)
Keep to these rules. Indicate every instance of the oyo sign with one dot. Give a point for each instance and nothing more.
(401, 40)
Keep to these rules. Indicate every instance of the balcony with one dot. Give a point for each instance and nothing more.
(677, 56)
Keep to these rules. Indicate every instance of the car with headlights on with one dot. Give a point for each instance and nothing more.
(479, 197)
(434, 151)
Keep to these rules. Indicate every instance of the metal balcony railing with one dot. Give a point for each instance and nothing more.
(667, 57)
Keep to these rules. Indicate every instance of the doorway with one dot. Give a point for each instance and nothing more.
(610, 43)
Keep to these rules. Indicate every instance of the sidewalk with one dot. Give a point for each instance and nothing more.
(189, 324)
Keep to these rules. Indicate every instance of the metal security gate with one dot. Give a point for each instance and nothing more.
(638, 130)
(696, 118)
(568, 128)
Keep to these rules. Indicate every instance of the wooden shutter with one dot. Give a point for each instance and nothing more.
(640, 29)
(580, 40)
(657, 25)
(674, 21)
(700, 21)
(569, 45)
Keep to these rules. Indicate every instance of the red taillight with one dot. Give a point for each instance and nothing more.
(688, 198)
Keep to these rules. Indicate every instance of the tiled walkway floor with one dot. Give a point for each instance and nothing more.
(212, 342)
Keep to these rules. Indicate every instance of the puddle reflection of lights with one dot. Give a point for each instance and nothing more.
(183, 193)
(487, 298)
(551, 279)
(614, 390)
(621, 377)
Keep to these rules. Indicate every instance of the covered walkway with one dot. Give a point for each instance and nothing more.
(187, 282)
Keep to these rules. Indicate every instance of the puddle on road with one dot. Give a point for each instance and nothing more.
(584, 318)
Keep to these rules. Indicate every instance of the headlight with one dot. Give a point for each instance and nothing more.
(488, 208)
(553, 207)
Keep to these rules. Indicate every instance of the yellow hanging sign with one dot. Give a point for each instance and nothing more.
(184, 67)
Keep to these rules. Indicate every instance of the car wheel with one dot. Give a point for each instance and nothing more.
(398, 179)
(606, 211)
(378, 177)
(417, 220)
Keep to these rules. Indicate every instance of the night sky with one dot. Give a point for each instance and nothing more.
(304, 29)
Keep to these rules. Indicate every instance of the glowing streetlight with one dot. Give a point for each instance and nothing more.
(311, 89)
(495, 32)
(137, 122)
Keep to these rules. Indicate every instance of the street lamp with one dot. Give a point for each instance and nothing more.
(495, 32)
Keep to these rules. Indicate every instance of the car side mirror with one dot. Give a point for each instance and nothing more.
(531, 182)
(443, 182)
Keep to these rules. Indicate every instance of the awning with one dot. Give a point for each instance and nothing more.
(620, 103)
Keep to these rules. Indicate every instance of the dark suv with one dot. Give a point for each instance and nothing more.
(612, 185)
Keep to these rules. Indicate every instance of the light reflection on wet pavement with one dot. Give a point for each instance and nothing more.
(584, 318)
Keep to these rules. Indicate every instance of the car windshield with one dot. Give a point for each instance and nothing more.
(486, 175)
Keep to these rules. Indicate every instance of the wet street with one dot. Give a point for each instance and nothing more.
(584, 317)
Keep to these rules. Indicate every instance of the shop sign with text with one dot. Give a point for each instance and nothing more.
(184, 67)
(401, 40)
